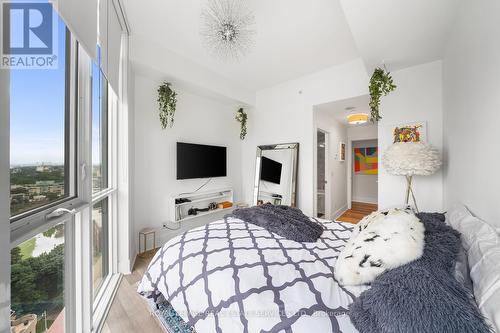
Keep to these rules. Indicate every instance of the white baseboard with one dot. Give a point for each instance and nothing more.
(339, 212)
(366, 200)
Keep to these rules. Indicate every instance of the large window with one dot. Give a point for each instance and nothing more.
(40, 128)
(100, 248)
(99, 130)
(63, 196)
(102, 187)
(42, 179)
(37, 282)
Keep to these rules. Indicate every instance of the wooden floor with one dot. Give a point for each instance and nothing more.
(357, 212)
(129, 312)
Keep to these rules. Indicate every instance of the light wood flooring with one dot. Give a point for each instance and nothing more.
(129, 312)
(357, 212)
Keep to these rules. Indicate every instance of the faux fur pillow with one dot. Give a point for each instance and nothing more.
(381, 241)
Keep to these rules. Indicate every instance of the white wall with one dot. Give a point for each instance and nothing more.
(4, 202)
(364, 187)
(337, 179)
(472, 110)
(363, 132)
(284, 113)
(197, 120)
(418, 97)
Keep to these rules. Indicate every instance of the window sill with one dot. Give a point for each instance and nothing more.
(104, 300)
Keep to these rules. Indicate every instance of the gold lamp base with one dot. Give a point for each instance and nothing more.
(409, 190)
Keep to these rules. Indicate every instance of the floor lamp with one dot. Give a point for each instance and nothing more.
(410, 159)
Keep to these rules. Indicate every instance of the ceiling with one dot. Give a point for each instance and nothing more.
(337, 110)
(294, 37)
(400, 33)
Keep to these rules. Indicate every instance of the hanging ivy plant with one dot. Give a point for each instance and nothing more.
(167, 100)
(381, 83)
(241, 117)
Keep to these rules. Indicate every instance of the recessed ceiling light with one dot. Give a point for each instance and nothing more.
(357, 118)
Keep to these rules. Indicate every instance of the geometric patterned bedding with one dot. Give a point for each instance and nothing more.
(232, 276)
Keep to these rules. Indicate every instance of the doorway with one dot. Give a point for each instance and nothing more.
(363, 172)
(322, 186)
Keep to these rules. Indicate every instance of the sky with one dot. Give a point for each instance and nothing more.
(37, 111)
(37, 102)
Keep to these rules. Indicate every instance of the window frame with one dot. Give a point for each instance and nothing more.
(31, 223)
(83, 313)
(23, 226)
(101, 301)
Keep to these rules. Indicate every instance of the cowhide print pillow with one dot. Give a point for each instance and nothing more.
(380, 241)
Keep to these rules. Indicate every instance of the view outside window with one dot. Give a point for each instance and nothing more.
(100, 252)
(37, 283)
(37, 134)
(99, 130)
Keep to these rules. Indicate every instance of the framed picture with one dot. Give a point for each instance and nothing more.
(366, 161)
(342, 151)
(410, 132)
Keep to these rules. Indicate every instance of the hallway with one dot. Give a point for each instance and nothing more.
(357, 212)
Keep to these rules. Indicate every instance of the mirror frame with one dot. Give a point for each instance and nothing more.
(295, 163)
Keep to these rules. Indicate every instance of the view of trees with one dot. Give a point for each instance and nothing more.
(37, 283)
(29, 175)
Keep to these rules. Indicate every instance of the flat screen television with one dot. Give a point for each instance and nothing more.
(270, 170)
(200, 161)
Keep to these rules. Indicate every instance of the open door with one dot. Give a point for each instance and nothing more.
(322, 185)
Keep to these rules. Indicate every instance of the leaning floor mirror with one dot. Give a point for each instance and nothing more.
(276, 174)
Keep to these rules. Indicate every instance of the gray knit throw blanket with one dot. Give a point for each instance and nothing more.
(285, 221)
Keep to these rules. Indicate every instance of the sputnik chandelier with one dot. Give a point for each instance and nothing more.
(227, 29)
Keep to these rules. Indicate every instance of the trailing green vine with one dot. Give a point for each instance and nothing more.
(381, 83)
(241, 117)
(167, 100)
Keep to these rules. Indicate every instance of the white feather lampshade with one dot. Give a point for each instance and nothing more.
(411, 159)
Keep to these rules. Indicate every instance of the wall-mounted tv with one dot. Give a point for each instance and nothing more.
(200, 161)
(270, 170)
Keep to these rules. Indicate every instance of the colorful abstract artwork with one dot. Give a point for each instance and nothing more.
(366, 161)
(414, 132)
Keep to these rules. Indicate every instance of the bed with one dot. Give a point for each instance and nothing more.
(233, 276)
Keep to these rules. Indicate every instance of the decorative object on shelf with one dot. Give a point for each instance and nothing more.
(410, 132)
(411, 159)
(167, 101)
(366, 161)
(194, 211)
(225, 204)
(186, 206)
(381, 83)
(357, 118)
(342, 151)
(227, 29)
(212, 206)
(143, 250)
(241, 117)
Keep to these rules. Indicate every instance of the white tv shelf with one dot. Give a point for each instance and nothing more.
(179, 211)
